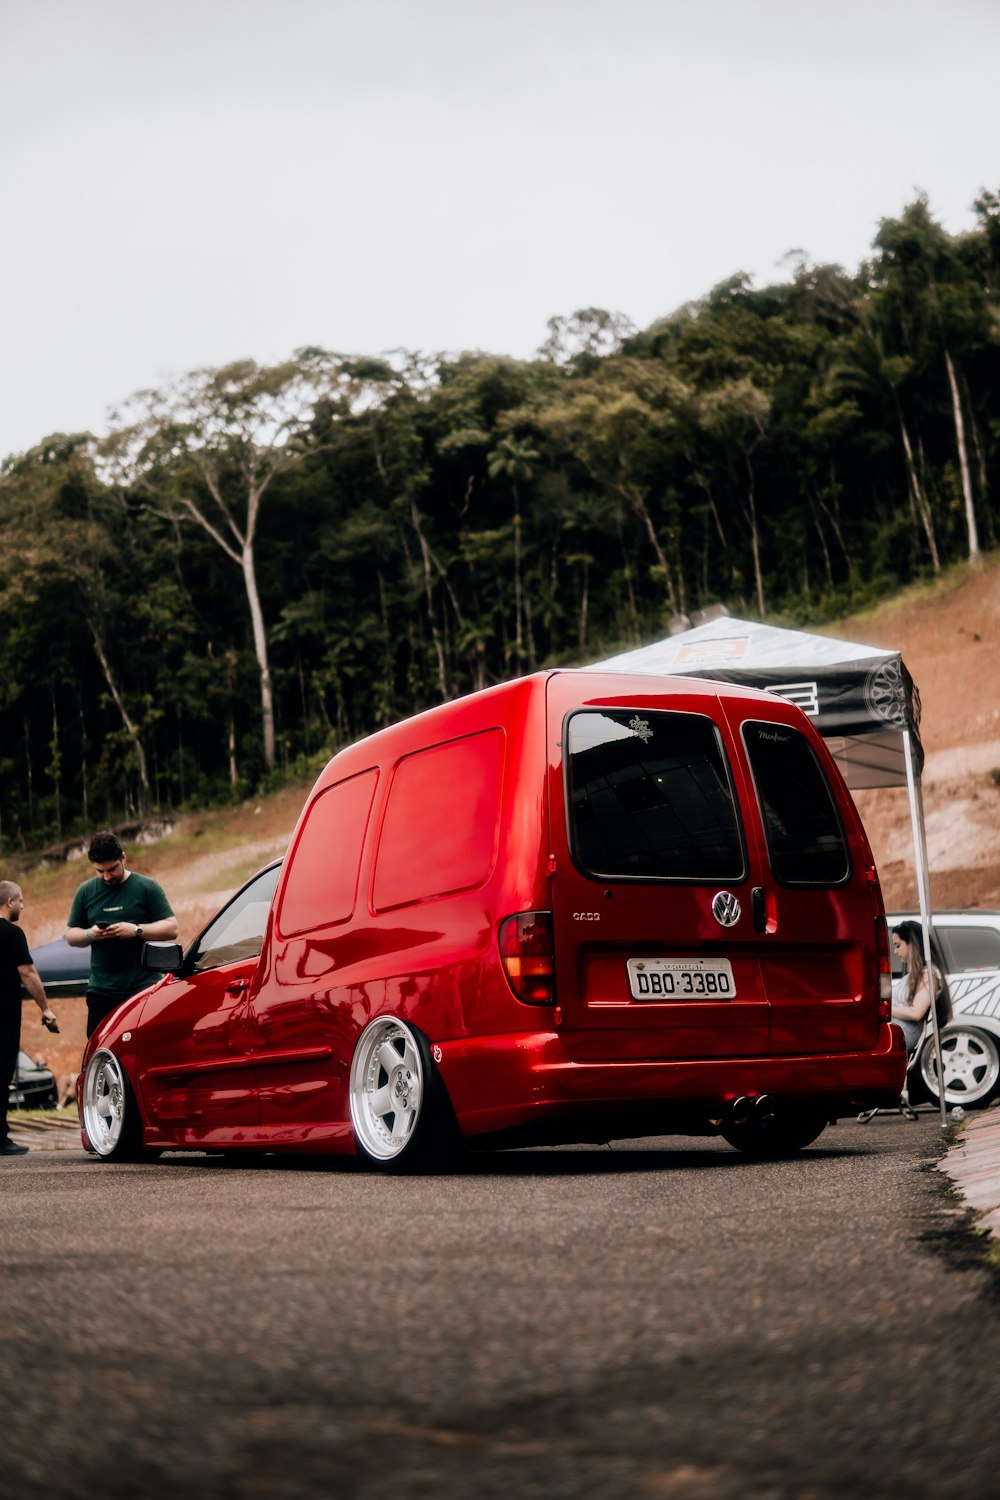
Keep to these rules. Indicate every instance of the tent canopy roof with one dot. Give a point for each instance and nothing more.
(860, 698)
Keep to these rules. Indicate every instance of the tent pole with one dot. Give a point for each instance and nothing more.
(914, 791)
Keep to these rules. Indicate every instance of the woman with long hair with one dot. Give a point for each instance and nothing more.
(911, 999)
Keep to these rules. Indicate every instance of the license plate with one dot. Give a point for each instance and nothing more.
(681, 979)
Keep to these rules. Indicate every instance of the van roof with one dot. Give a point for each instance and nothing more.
(470, 711)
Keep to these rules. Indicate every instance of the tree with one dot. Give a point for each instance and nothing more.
(514, 461)
(932, 307)
(207, 451)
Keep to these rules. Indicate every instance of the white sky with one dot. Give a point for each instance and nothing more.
(189, 183)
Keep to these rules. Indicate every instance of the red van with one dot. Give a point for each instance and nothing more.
(575, 907)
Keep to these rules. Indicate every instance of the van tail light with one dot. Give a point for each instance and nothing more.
(884, 969)
(527, 952)
(883, 954)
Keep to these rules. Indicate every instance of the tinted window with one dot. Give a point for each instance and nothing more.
(650, 797)
(804, 838)
(442, 821)
(322, 883)
(970, 947)
(238, 931)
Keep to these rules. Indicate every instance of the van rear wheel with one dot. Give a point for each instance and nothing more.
(401, 1116)
(781, 1135)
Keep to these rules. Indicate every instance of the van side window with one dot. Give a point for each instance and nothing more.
(650, 797)
(322, 883)
(805, 840)
(441, 824)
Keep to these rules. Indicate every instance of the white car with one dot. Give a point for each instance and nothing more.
(970, 1043)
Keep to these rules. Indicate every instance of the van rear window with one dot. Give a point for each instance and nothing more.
(650, 797)
(805, 840)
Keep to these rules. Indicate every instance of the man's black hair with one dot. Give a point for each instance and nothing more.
(104, 846)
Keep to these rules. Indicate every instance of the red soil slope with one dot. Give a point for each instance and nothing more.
(949, 636)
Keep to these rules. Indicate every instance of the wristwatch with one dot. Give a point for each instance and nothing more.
(138, 930)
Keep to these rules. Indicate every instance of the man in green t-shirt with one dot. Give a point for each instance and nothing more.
(115, 913)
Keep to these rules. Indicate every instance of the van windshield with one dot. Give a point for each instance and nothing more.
(805, 841)
(649, 797)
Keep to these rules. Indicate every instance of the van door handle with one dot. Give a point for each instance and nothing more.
(758, 909)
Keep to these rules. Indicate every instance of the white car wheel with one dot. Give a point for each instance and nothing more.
(971, 1067)
(399, 1109)
(110, 1113)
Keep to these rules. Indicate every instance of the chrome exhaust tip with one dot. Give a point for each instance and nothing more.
(763, 1108)
(740, 1110)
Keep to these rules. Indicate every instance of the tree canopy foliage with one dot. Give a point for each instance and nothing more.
(261, 563)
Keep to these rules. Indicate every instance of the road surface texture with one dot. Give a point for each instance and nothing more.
(660, 1319)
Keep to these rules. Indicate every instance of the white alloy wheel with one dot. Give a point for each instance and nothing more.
(388, 1088)
(104, 1102)
(971, 1067)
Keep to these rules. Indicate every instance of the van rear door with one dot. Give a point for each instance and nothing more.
(820, 967)
(653, 878)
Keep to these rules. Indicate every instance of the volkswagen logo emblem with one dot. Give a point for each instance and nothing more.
(725, 909)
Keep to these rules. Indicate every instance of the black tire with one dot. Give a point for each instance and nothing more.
(111, 1117)
(402, 1117)
(971, 1067)
(781, 1135)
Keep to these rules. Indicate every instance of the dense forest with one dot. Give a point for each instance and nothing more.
(259, 564)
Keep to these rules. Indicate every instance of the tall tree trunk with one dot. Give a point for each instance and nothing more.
(822, 542)
(963, 461)
(919, 494)
(981, 474)
(638, 504)
(260, 651)
(130, 728)
(751, 513)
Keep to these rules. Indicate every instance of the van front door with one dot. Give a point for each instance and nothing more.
(653, 880)
(193, 1044)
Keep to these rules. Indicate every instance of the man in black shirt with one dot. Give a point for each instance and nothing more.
(16, 968)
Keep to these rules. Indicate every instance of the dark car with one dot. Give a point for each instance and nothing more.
(63, 970)
(33, 1085)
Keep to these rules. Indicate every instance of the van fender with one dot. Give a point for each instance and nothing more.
(400, 1110)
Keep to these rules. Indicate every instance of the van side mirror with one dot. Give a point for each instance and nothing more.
(164, 958)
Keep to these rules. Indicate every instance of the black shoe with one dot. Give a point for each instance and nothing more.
(11, 1148)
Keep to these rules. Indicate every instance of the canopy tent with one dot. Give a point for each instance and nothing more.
(861, 699)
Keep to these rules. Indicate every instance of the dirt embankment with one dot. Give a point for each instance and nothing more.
(949, 635)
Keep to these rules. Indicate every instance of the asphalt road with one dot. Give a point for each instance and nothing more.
(661, 1319)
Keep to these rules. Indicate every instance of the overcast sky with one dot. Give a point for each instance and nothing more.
(189, 183)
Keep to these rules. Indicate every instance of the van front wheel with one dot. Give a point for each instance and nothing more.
(398, 1108)
(110, 1112)
(781, 1135)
